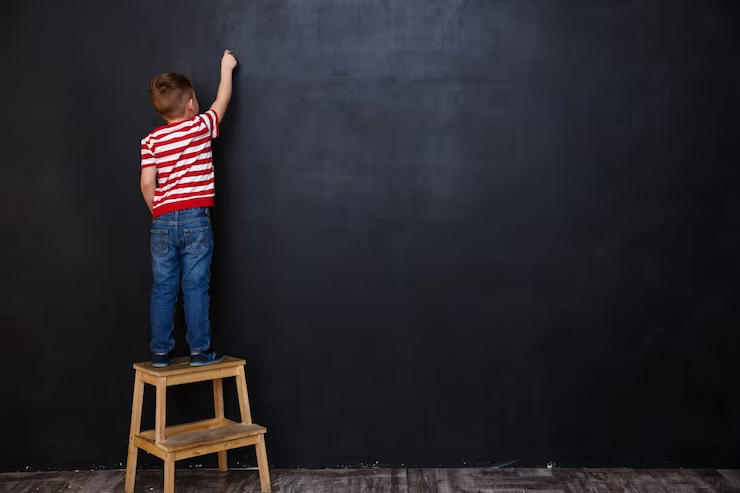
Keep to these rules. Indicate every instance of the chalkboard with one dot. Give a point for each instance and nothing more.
(448, 232)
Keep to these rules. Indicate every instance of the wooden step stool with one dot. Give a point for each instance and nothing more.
(209, 436)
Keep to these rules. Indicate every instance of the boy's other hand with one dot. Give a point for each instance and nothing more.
(228, 61)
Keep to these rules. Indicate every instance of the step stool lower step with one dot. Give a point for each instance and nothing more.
(201, 434)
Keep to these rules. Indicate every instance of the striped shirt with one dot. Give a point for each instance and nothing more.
(182, 154)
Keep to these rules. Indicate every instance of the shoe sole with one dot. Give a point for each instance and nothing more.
(160, 365)
(208, 362)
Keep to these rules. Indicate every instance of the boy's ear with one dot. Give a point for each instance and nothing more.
(191, 108)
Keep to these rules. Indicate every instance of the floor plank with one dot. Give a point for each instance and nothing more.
(388, 481)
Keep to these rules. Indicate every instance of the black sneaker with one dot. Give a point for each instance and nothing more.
(162, 360)
(207, 357)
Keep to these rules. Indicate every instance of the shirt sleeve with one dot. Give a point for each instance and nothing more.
(210, 119)
(147, 156)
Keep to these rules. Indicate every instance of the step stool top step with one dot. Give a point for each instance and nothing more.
(181, 365)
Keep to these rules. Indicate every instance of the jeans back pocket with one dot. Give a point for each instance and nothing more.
(159, 245)
(197, 240)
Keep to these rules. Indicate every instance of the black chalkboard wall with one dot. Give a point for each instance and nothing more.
(449, 232)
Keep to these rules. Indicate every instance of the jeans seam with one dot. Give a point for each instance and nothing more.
(162, 354)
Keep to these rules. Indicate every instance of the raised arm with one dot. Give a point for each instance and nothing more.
(228, 63)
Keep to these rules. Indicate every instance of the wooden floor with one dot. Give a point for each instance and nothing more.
(390, 480)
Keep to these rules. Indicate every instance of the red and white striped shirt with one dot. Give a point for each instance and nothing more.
(182, 154)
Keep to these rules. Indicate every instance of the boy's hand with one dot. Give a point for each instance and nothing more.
(228, 61)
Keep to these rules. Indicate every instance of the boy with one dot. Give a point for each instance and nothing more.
(177, 184)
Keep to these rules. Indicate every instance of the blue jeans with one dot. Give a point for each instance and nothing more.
(182, 248)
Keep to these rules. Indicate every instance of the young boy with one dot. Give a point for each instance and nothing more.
(177, 184)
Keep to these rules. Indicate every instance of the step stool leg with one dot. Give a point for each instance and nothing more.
(133, 450)
(241, 387)
(218, 404)
(169, 473)
(160, 418)
(262, 464)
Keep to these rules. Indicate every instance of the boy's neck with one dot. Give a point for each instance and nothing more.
(184, 118)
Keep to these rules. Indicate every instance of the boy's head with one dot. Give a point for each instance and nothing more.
(173, 96)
